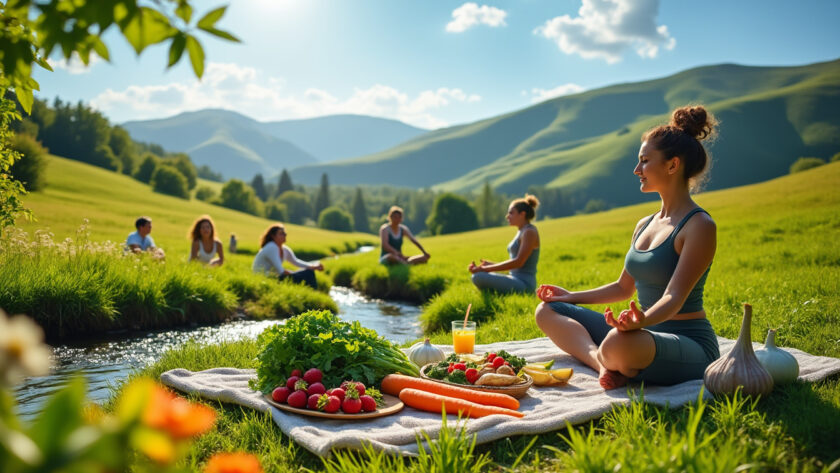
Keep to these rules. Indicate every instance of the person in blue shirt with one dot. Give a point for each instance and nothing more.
(141, 240)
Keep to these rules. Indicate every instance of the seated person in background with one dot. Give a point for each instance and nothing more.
(205, 247)
(273, 252)
(140, 240)
(391, 236)
(232, 244)
(524, 253)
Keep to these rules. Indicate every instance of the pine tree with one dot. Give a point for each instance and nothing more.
(360, 218)
(285, 183)
(488, 207)
(258, 183)
(322, 201)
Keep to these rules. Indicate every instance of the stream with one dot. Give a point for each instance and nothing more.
(107, 361)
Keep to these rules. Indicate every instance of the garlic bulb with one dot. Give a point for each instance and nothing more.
(739, 367)
(781, 365)
(425, 353)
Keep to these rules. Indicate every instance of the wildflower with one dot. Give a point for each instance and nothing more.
(177, 416)
(233, 463)
(22, 351)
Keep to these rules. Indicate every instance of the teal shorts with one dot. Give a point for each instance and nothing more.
(684, 348)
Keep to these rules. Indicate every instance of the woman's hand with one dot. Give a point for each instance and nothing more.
(317, 267)
(473, 268)
(549, 293)
(629, 319)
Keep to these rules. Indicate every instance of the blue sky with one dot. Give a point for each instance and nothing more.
(436, 63)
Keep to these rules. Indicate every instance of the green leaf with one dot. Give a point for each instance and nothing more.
(100, 48)
(222, 34)
(25, 97)
(43, 63)
(61, 416)
(209, 20)
(196, 55)
(176, 49)
(146, 27)
(184, 11)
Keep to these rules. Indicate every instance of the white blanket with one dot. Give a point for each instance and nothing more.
(546, 409)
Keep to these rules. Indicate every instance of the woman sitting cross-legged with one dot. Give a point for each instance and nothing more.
(524, 251)
(391, 236)
(274, 252)
(205, 247)
(667, 340)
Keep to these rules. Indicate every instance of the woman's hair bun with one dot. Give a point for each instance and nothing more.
(695, 121)
(532, 201)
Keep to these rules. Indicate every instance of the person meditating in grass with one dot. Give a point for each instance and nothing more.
(140, 240)
(667, 339)
(205, 247)
(391, 234)
(524, 251)
(274, 252)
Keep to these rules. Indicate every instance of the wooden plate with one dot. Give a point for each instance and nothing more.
(392, 406)
(515, 390)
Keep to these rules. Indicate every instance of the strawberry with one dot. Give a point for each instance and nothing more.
(290, 383)
(507, 363)
(280, 394)
(451, 368)
(337, 392)
(296, 373)
(472, 375)
(312, 402)
(460, 366)
(297, 399)
(490, 357)
(316, 388)
(328, 403)
(368, 403)
(359, 386)
(301, 385)
(351, 403)
(313, 375)
(498, 361)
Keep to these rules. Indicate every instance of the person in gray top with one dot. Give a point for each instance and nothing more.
(524, 253)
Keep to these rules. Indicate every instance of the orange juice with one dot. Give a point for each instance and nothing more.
(463, 337)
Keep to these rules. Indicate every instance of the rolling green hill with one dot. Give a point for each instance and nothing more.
(587, 143)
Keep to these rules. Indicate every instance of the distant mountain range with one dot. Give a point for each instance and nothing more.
(239, 146)
(587, 143)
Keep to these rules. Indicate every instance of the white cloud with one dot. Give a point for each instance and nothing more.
(605, 29)
(470, 14)
(243, 89)
(75, 65)
(540, 95)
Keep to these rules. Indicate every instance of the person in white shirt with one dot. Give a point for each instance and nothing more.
(205, 247)
(140, 240)
(274, 253)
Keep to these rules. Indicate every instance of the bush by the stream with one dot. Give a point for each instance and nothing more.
(29, 169)
(410, 283)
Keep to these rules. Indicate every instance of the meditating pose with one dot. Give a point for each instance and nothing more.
(666, 339)
(524, 251)
(391, 234)
(232, 243)
(274, 252)
(140, 240)
(205, 247)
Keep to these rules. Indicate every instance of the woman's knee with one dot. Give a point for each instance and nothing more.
(544, 314)
(480, 279)
(621, 350)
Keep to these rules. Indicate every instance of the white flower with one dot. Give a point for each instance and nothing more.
(22, 349)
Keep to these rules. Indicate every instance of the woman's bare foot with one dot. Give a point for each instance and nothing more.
(611, 379)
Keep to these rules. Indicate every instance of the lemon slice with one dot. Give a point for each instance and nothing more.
(561, 374)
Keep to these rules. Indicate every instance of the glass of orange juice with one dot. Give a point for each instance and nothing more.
(463, 336)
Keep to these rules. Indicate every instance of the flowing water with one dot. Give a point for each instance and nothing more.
(106, 362)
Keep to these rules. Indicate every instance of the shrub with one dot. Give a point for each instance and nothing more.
(451, 214)
(276, 211)
(594, 206)
(103, 157)
(205, 194)
(147, 168)
(168, 180)
(29, 169)
(237, 195)
(297, 206)
(333, 218)
(803, 164)
(835, 158)
(183, 164)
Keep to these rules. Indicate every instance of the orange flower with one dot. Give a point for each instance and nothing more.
(179, 417)
(233, 463)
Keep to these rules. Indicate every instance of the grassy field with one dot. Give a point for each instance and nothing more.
(111, 202)
(777, 249)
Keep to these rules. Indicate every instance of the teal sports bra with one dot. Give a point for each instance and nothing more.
(652, 269)
(394, 241)
(529, 267)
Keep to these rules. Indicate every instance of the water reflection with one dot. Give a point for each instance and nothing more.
(105, 362)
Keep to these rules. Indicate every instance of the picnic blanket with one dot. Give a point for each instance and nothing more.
(546, 409)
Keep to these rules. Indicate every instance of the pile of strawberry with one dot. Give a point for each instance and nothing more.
(308, 392)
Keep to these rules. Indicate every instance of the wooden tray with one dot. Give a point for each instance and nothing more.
(392, 406)
(515, 390)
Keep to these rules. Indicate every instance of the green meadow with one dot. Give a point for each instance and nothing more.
(777, 249)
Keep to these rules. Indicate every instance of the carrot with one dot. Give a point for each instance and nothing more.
(393, 384)
(426, 401)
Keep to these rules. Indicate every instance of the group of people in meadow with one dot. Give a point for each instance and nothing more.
(665, 338)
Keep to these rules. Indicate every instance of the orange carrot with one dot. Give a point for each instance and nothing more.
(393, 384)
(426, 401)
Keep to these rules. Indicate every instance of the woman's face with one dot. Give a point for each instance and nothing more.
(205, 229)
(515, 217)
(653, 169)
(280, 237)
(396, 218)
